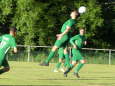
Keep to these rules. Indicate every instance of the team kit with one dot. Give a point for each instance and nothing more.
(65, 37)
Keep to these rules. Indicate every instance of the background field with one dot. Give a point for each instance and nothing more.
(28, 73)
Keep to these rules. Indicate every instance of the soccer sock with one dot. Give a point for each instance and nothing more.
(67, 60)
(78, 67)
(69, 69)
(65, 64)
(58, 65)
(50, 56)
(71, 65)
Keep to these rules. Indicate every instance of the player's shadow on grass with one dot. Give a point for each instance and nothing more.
(102, 72)
(83, 78)
(97, 78)
(67, 79)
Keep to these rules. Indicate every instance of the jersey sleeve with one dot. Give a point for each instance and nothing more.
(13, 43)
(72, 40)
(70, 24)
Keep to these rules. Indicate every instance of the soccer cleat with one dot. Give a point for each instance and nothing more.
(77, 75)
(44, 64)
(55, 70)
(65, 74)
(62, 70)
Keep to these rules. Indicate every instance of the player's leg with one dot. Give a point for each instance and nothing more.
(74, 59)
(80, 65)
(5, 65)
(65, 53)
(50, 56)
(78, 68)
(67, 59)
(58, 65)
(61, 56)
(70, 68)
(58, 43)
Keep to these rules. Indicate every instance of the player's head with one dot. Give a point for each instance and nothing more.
(74, 13)
(12, 31)
(81, 31)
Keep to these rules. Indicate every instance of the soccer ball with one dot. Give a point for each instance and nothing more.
(82, 9)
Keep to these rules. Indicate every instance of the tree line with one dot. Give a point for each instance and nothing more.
(38, 21)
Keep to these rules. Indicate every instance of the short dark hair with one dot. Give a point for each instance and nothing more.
(81, 28)
(13, 29)
(74, 10)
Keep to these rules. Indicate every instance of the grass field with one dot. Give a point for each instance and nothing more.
(24, 73)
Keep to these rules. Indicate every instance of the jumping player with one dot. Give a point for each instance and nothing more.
(62, 38)
(7, 41)
(77, 42)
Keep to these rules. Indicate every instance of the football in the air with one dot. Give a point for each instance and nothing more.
(82, 9)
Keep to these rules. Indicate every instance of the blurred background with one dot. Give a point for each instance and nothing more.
(38, 22)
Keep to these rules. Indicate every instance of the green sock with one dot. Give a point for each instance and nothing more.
(50, 56)
(78, 67)
(67, 60)
(65, 64)
(58, 65)
(71, 65)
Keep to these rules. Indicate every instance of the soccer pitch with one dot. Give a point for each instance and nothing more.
(28, 73)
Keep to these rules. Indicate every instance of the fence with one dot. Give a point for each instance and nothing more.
(40, 53)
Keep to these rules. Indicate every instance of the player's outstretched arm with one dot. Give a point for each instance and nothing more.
(72, 41)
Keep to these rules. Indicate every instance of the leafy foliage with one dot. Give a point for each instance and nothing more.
(38, 21)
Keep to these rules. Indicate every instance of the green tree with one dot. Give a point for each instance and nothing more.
(107, 32)
(28, 12)
(5, 14)
(38, 21)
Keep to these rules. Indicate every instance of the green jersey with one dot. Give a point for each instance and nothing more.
(78, 40)
(70, 23)
(7, 41)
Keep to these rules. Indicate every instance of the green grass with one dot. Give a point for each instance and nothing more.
(25, 73)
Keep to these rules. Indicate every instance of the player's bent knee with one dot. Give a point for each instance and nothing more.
(65, 51)
(83, 61)
(54, 48)
(61, 60)
(74, 63)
